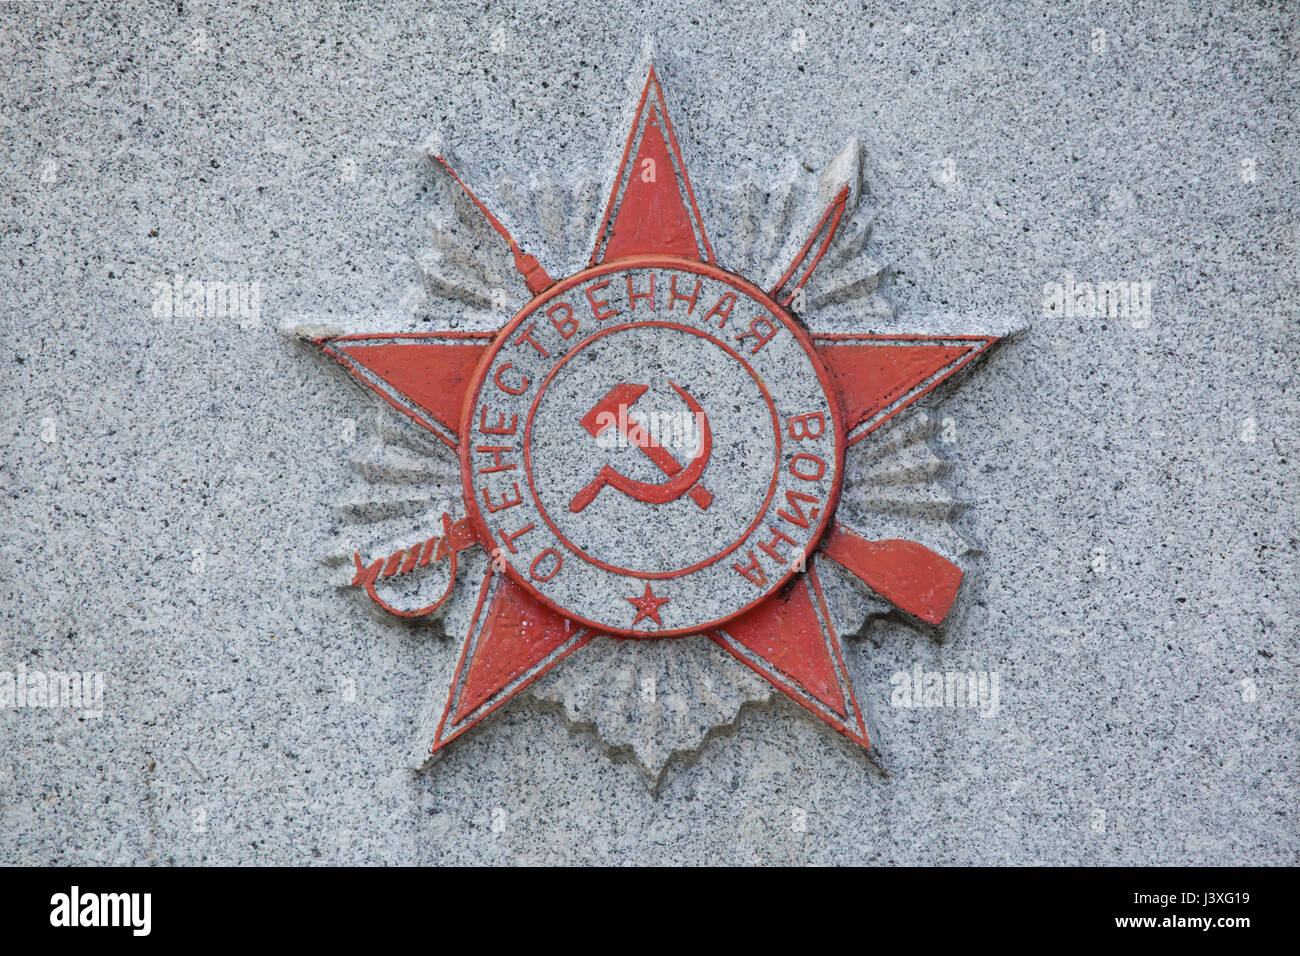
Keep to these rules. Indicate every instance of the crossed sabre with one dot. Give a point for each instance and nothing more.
(456, 537)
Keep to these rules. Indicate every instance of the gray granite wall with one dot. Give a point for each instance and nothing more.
(168, 480)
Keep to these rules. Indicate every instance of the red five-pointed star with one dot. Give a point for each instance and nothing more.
(647, 605)
(788, 638)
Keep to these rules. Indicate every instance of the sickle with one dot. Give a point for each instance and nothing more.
(656, 494)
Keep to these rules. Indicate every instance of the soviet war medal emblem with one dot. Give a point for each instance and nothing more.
(651, 453)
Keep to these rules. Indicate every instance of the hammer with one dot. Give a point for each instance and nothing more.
(612, 411)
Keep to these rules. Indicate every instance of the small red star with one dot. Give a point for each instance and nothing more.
(647, 605)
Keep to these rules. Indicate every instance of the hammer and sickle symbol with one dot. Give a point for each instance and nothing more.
(611, 411)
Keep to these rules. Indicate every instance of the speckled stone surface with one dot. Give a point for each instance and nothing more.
(168, 477)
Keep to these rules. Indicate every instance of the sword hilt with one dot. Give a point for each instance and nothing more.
(456, 537)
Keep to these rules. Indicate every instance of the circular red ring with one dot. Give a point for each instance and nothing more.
(479, 525)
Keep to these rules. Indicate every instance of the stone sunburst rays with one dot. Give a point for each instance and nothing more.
(468, 272)
(404, 483)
